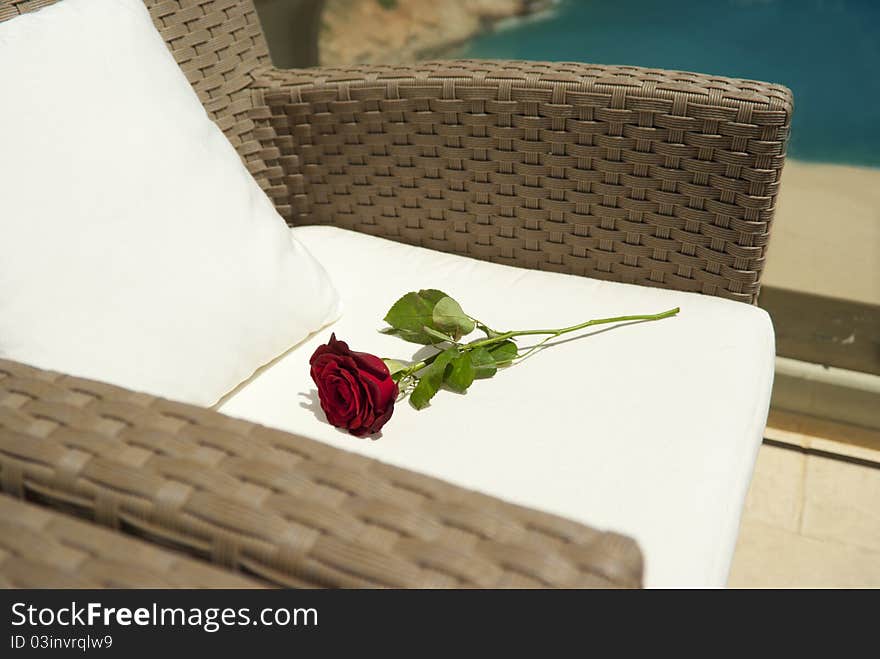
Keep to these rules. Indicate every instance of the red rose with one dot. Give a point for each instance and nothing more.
(355, 388)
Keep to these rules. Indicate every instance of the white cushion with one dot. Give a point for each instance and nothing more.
(136, 247)
(649, 429)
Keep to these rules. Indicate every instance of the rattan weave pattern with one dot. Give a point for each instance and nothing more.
(289, 510)
(12, 8)
(217, 43)
(646, 176)
(40, 548)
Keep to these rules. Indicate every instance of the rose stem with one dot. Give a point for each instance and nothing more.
(504, 336)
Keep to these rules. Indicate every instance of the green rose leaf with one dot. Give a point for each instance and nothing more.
(504, 352)
(461, 374)
(409, 335)
(431, 379)
(449, 317)
(438, 336)
(395, 366)
(413, 312)
(484, 363)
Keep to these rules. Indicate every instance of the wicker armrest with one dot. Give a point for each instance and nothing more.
(41, 548)
(639, 175)
(281, 508)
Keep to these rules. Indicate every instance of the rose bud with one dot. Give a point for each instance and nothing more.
(355, 388)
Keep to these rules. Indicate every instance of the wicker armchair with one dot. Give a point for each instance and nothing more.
(643, 176)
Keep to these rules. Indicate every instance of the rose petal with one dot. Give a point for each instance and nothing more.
(355, 389)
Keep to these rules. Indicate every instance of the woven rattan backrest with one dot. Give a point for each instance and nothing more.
(646, 176)
(217, 43)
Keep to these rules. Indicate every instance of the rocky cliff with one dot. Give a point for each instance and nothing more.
(396, 31)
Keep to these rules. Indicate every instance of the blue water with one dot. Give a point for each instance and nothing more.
(826, 51)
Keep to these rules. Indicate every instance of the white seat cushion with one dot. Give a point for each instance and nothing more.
(649, 429)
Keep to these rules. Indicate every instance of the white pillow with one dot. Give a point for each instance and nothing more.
(135, 248)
